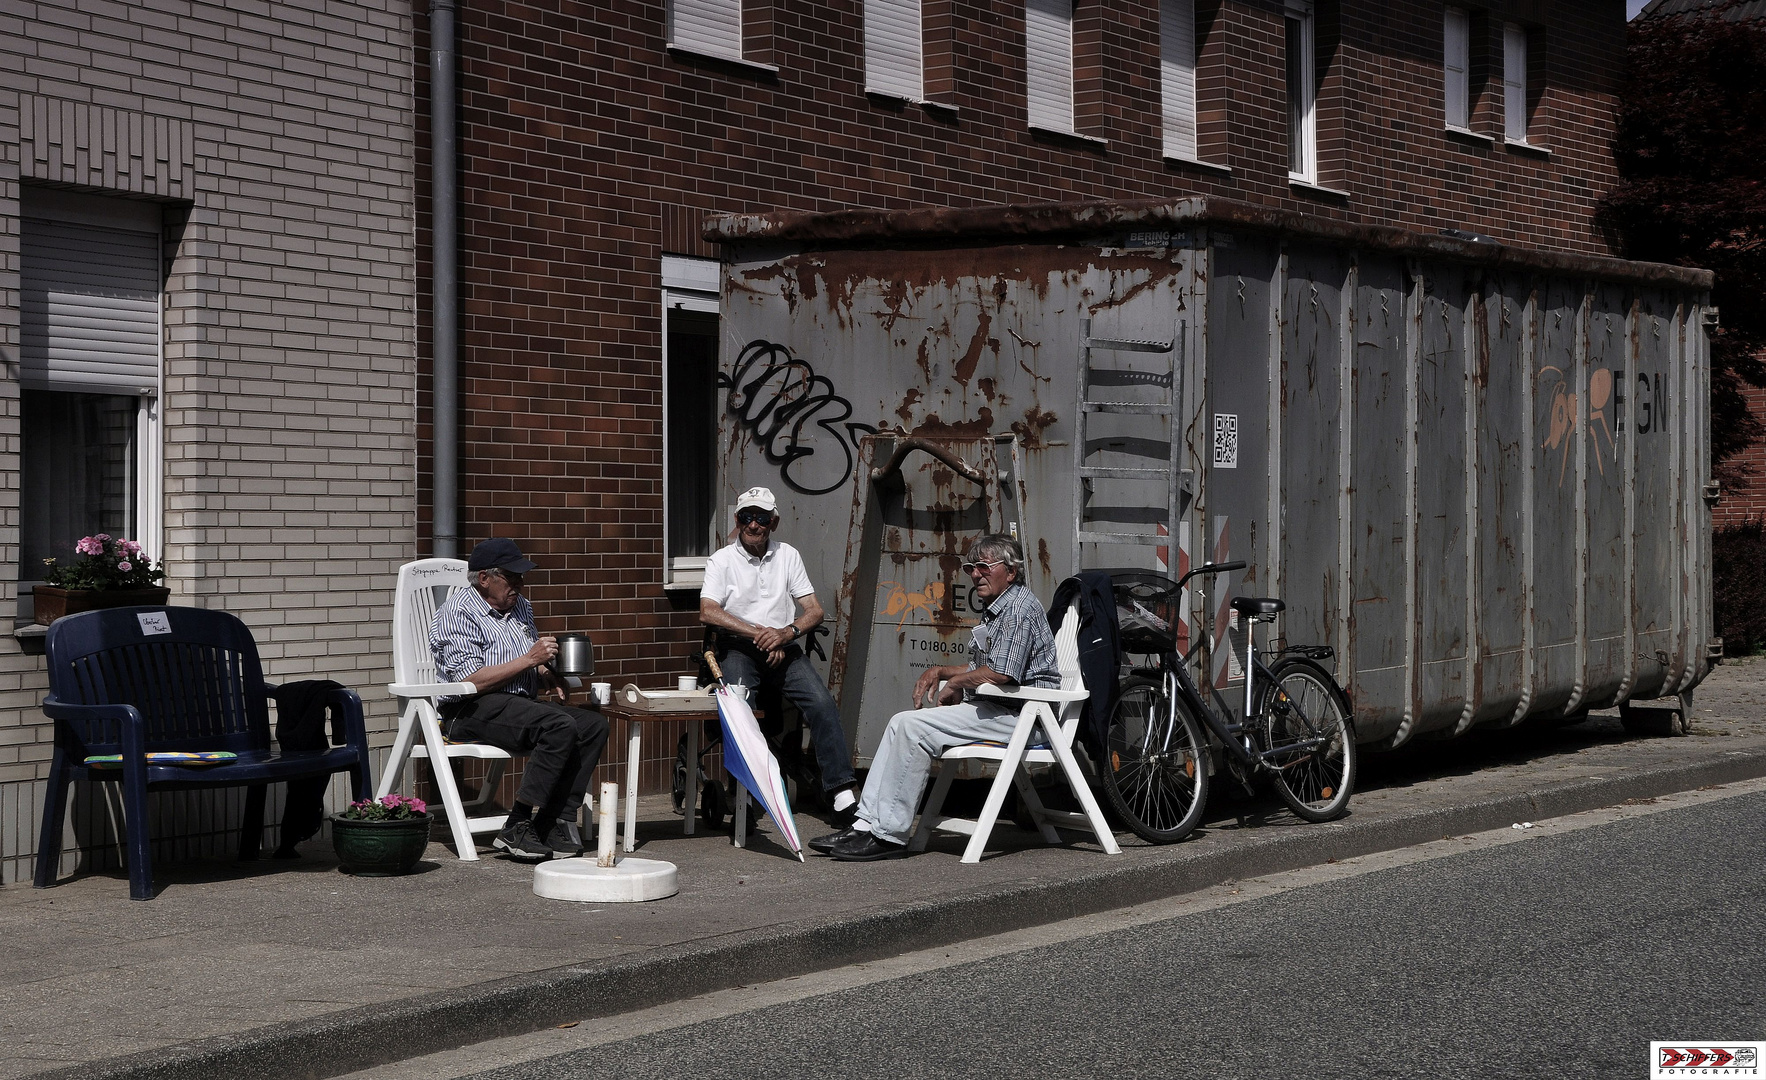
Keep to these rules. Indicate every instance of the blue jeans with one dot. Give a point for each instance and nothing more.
(798, 681)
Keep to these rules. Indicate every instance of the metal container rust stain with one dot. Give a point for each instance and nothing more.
(962, 329)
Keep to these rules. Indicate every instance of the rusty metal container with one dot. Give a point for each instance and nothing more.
(1478, 472)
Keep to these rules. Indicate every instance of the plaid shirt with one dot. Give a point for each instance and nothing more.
(469, 634)
(1014, 639)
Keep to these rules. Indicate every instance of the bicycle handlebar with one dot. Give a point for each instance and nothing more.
(1212, 568)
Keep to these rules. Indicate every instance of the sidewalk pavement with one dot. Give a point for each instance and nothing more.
(292, 969)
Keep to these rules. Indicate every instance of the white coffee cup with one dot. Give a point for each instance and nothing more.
(603, 692)
(687, 683)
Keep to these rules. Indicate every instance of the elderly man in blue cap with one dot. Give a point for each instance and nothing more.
(486, 636)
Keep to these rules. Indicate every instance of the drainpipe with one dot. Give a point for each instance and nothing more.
(444, 260)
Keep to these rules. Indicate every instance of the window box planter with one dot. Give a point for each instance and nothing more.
(53, 601)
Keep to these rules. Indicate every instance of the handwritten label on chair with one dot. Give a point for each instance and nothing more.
(154, 622)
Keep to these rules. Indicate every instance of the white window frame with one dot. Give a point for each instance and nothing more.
(1514, 84)
(1456, 69)
(1048, 65)
(1177, 77)
(688, 285)
(706, 27)
(134, 216)
(1302, 75)
(895, 51)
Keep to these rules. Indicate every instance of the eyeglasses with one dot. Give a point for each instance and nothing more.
(985, 566)
(513, 579)
(753, 517)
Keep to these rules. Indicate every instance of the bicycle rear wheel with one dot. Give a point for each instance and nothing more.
(1155, 774)
(1306, 728)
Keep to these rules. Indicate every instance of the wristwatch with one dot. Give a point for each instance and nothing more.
(796, 632)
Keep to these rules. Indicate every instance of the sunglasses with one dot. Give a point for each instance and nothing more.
(985, 566)
(753, 517)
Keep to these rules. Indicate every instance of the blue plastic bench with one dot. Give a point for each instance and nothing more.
(143, 680)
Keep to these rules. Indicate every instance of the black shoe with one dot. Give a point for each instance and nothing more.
(522, 843)
(563, 840)
(825, 844)
(866, 847)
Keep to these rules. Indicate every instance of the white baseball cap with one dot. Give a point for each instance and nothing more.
(758, 497)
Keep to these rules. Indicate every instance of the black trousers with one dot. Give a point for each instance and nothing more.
(563, 745)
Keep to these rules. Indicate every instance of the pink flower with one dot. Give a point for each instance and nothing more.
(89, 545)
(125, 567)
(102, 538)
(129, 548)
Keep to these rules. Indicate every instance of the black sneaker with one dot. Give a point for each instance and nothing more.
(562, 838)
(522, 843)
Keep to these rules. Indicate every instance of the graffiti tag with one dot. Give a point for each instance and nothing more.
(782, 401)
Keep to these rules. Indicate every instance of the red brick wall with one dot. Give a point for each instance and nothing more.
(1740, 505)
(587, 150)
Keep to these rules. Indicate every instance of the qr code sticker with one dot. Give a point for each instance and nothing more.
(1226, 440)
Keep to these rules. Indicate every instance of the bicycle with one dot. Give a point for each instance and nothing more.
(1297, 729)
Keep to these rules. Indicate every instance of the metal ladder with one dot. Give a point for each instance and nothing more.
(1168, 475)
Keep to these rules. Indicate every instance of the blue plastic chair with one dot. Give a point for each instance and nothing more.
(141, 680)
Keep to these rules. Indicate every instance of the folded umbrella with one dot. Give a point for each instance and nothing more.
(750, 760)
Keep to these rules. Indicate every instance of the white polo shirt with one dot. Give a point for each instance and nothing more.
(757, 590)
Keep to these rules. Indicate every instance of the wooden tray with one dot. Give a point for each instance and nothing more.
(631, 698)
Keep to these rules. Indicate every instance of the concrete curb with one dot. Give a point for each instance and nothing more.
(357, 1038)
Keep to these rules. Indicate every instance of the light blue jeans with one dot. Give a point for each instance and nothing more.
(904, 759)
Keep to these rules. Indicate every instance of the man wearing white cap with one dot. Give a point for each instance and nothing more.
(753, 589)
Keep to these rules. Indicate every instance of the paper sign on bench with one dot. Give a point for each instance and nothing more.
(154, 622)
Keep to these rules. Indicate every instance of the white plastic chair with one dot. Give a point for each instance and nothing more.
(424, 586)
(1056, 714)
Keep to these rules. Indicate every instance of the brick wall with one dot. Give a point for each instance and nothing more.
(1741, 505)
(290, 371)
(587, 150)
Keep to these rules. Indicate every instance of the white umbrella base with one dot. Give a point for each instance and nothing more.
(627, 881)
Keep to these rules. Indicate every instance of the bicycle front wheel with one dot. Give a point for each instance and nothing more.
(1155, 771)
(1309, 739)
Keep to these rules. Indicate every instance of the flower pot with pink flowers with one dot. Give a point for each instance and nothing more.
(381, 837)
(112, 571)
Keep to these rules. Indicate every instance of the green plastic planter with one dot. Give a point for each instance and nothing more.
(379, 848)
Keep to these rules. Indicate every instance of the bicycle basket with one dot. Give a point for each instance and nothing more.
(1147, 612)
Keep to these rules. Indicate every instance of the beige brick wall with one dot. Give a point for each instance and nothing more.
(281, 137)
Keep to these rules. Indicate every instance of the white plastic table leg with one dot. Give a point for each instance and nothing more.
(739, 836)
(633, 747)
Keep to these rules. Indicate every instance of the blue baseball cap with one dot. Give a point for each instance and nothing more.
(499, 553)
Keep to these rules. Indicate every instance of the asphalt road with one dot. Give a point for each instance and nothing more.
(1559, 951)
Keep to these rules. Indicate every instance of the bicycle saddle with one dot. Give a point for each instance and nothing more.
(1250, 606)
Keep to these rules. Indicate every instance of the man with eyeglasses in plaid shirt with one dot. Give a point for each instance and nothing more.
(1012, 645)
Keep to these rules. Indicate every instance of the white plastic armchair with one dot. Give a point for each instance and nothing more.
(423, 586)
(1054, 713)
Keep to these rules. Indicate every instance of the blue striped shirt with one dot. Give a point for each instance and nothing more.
(468, 634)
(1014, 639)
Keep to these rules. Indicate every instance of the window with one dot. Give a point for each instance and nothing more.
(893, 49)
(689, 407)
(1456, 64)
(1177, 76)
(1048, 46)
(1302, 94)
(707, 27)
(1514, 84)
(89, 374)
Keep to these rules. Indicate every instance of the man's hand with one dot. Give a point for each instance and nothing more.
(775, 657)
(774, 638)
(929, 679)
(543, 651)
